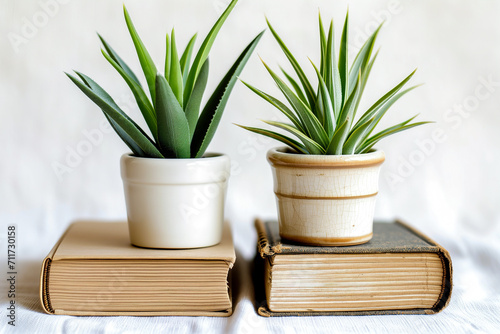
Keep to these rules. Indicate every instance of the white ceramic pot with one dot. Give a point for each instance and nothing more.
(175, 203)
(325, 200)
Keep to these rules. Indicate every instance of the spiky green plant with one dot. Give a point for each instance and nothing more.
(323, 118)
(172, 113)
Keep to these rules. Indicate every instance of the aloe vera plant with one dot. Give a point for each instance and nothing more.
(323, 119)
(171, 106)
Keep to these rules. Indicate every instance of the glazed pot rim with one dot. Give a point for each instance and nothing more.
(214, 167)
(206, 156)
(283, 156)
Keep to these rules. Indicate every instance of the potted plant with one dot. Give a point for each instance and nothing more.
(174, 190)
(326, 180)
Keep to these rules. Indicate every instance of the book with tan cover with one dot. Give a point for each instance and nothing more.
(400, 271)
(94, 270)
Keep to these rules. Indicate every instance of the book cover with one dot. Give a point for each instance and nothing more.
(94, 270)
(389, 239)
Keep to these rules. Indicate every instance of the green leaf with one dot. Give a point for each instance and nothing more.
(136, 150)
(300, 73)
(118, 60)
(274, 135)
(135, 137)
(173, 128)
(212, 113)
(380, 112)
(338, 139)
(326, 104)
(186, 58)
(168, 56)
(332, 78)
(295, 85)
(312, 146)
(364, 78)
(278, 104)
(175, 80)
(373, 109)
(204, 50)
(323, 44)
(362, 59)
(348, 111)
(193, 106)
(311, 123)
(343, 60)
(147, 63)
(356, 137)
(368, 144)
(140, 96)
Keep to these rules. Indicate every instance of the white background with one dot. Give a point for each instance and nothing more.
(441, 178)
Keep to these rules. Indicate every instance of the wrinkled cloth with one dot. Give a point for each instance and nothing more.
(474, 306)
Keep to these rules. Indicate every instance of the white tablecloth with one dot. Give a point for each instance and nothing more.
(474, 307)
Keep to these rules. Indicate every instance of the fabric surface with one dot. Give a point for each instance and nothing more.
(474, 306)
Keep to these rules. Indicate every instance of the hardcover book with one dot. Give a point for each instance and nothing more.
(94, 270)
(400, 271)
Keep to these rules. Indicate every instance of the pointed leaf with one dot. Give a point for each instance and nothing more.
(295, 86)
(380, 112)
(343, 60)
(118, 60)
(168, 56)
(274, 135)
(136, 150)
(140, 96)
(175, 81)
(312, 146)
(348, 111)
(204, 50)
(193, 105)
(147, 63)
(212, 113)
(362, 59)
(278, 104)
(367, 145)
(373, 109)
(364, 78)
(356, 138)
(323, 44)
(311, 123)
(326, 104)
(111, 109)
(173, 128)
(186, 58)
(300, 73)
(338, 139)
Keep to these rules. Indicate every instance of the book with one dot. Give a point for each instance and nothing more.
(400, 271)
(94, 270)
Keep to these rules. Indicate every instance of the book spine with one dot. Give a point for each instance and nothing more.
(44, 275)
(263, 246)
(447, 286)
(44, 285)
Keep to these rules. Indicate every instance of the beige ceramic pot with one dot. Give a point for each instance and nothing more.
(175, 203)
(325, 200)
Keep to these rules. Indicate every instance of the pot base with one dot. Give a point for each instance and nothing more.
(314, 241)
(174, 248)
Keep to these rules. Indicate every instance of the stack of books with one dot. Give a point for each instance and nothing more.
(400, 271)
(94, 270)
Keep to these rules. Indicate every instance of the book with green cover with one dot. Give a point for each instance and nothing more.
(400, 271)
